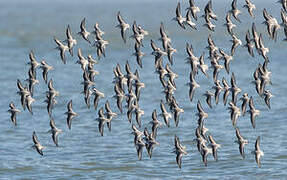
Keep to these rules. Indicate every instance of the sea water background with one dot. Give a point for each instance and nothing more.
(83, 153)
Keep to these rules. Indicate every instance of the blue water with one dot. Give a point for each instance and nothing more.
(83, 153)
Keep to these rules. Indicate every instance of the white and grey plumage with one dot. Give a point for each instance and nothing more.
(32, 81)
(158, 53)
(150, 142)
(253, 112)
(142, 31)
(209, 11)
(120, 78)
(190, 53)
(205, 150)
(70, 40)
(267, 96)
(218, 88)
(55, 131)
(180, 20)
(249, 44)
(83, 31)
(70, 114)
(236, 42)
(161, 71)
(192, 59)
(227, 59)
(98, 30)
(234, 113)
(192, 85)
(176, 111)
(203, 130)
(23, 92)
(170, 88)
(100, 44)
(138, 54)
(87, 82)
(51, 101)
(179, 150)
(155, 123)
(188, 20)
(46, 68)
(171, 75)
(258, 152)
(208, 23)
(250, 6)
(271, 23)
(98, 94)
(92, 72)
(166, 115)
(193, 9)
(130, 75)
(139, 147)
(138, 112)
(202, 66)
(33, 63)
(109, 113)
(138, 134)
(265, 75)
(82, 60)
(214, 147)
(164, 37)
(255, 36)
(37, 144)
(52, 91)
(29, 101)
(234, 11)
(242, 142)
(257, 81)
(214, 60)
(102, 120)
(211, 45)
(229, 25)
(208, 96)
(51, 94)
(91, 60)
(234, 89)
(169, 91)
(13, 110)
(62, 48)
(245, 101)
(123, 26)
(201, 113)
(130, 112)
(226, 89)
(170, 50)
(262, 49)
(138, 84)
(120, 95)
(88, 95)
(131, 97)
(199, 138)
(137, 35)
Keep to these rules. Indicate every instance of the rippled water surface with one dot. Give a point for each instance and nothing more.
(83, 153)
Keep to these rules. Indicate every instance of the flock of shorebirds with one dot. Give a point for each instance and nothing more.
(128, 86)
